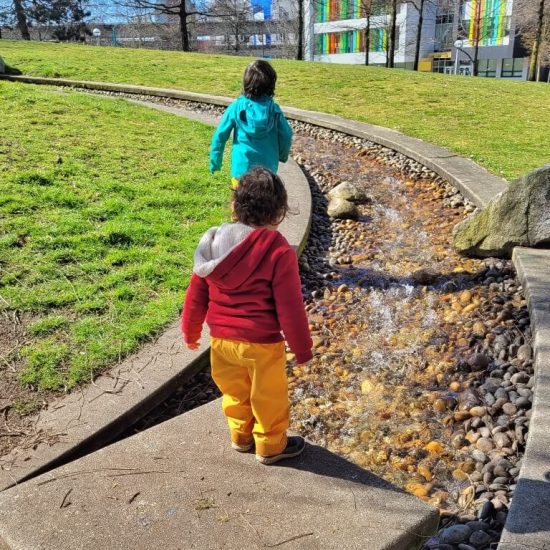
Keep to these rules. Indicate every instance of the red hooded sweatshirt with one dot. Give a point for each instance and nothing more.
(246, 285)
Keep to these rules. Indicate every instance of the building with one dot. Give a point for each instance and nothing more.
(450, 31)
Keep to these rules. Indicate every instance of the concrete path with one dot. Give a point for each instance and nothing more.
(180, 485)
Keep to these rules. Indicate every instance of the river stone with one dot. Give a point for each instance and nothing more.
(525, 352)
(480, 539)
(519, 216)
(348, 192)
(342, 209)
(455, 534)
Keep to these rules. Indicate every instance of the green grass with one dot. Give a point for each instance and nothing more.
(101, 205)
(502, 125)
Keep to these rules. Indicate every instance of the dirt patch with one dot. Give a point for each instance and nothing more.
(18, 405)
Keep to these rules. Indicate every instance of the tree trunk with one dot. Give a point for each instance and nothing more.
(367, 40)
(21, 20)
(418, 35)
(534, 61)
(477, 38)
(184, 30)
(393, 29)
(300, 52)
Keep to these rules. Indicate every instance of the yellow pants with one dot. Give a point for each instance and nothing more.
(253, 381)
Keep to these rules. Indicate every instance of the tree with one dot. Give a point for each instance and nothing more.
(419, 6)
(367, 8)
(533, 27)
(392, 34)
(300, 31)
(184, 11)
(66, 16)
(21, 18)
(236, 16)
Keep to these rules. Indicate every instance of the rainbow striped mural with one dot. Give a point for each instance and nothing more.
(487, 21)
(350, 42)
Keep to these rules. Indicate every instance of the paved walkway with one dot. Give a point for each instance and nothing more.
(180, 485)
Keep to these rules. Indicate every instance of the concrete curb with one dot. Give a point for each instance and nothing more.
(88, 419)
(533, 267)
(528, 524)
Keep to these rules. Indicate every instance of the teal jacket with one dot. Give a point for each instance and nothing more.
(261, 136)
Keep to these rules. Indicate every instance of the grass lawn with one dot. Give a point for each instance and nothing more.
(502, 125)
(101, 205)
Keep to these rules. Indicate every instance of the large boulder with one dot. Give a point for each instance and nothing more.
(348, 192)
(519, 216)
(342, 209)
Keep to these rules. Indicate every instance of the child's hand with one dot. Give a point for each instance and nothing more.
(194, 346)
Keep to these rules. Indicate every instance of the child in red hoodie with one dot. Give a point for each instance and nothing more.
(246, 285)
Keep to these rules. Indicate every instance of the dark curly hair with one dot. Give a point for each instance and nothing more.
(259, 80)
(260, 199)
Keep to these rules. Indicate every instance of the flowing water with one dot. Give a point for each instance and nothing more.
(395, 316)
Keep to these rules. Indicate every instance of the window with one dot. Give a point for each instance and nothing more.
(487, 68)
(512, 68)
(442, 65)
(444, 28)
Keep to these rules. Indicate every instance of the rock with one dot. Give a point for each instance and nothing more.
(523, 403)
(501, 440)
(486, 511)
(424, 276)
(525, 353)
(479, 539)
(478, 411)
(485, 445)
(509, 409)
(342, 209)
(348, 192)
(455, 534)
(478, 362)
(520, 216)
(463, 546)
(520, 377)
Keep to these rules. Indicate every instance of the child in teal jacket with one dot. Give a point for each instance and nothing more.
(261, 133)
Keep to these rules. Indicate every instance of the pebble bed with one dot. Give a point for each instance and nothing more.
(423, 367)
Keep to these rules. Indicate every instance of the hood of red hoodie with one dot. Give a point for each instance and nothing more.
(229, 254)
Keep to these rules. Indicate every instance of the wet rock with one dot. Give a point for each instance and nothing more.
(478, 362)
(424, 276)
(455, 534)
(342, 209)
(348, 192)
